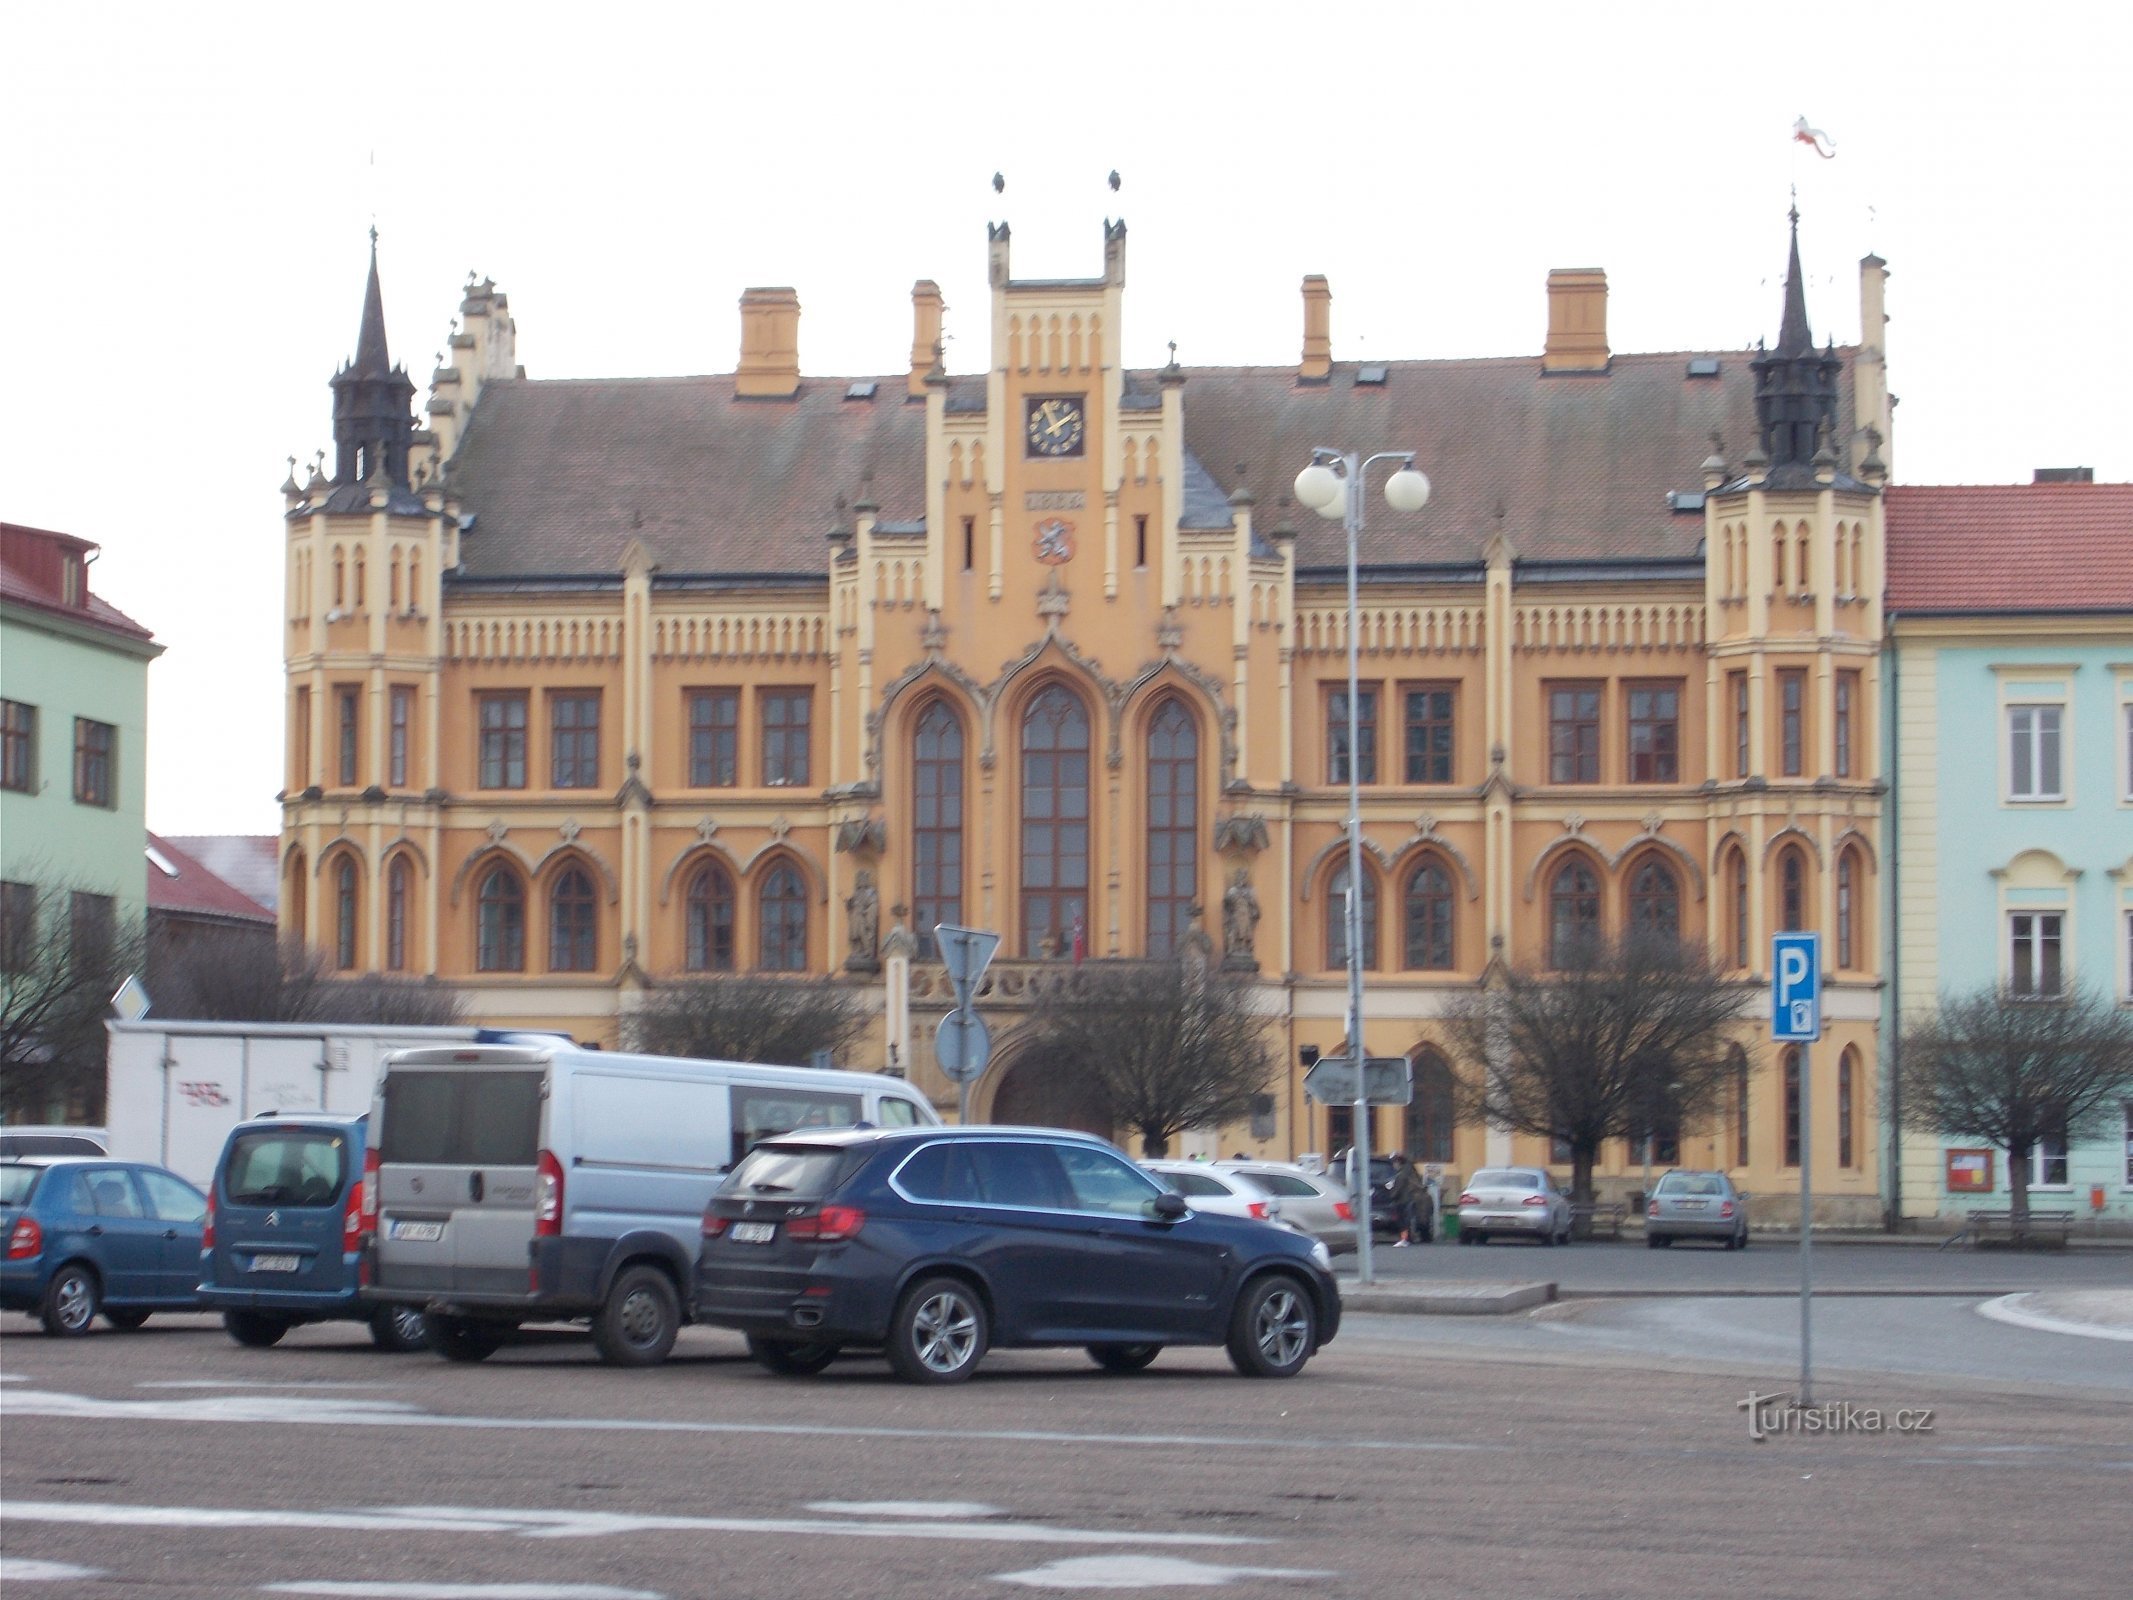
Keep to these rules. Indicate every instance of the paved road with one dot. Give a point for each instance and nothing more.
(171, 1463)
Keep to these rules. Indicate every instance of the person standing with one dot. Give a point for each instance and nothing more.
(1408, 1198)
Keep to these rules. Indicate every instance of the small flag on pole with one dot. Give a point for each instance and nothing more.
(1821, 143)
(1080, 939)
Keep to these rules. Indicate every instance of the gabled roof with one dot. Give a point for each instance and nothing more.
(249, 862)
(178, 884)
(30, 567)
(2010, 548)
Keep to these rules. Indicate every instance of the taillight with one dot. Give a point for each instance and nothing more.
(714, 1224)
(25, 1239)
(827, 1226)
(1651, 1211)
(1344, 1211)
(351, 1220)
(1469, 1198)
(207, 1224)
(1256, 1209)
(1535, 1200)
(548, 1197)
(1725, 1208)
(370, 1190)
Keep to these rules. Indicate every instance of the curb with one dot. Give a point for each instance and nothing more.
(1460, 1300)
(2011, 1308)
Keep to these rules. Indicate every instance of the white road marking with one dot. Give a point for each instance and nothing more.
(1143, 1572)
(467, 1591)
(2018, 1310)
(232, 1383)
(13, 1569)
(940, 1509)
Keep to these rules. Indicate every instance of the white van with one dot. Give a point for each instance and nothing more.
(530, 1180)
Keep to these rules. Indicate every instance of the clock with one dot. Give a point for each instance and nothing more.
(1057, 426)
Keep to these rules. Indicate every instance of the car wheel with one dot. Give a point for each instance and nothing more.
(462, 1338)
(1743, 1240)
(125, 1321)
(1548, 1240)
(71, 1301)
(1273, 1329)
(397, 1329)
(1124, 1357)
(790, 1360)
(638, 1324)
(938, 1334)
(253, 1329)
(1475, 1238)
(1661, 1241)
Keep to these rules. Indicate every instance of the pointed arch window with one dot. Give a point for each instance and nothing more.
(1427, 914)
(299, 885)
(399, 892)
(1055, 821)
(1737, 905)
(344, 915)
(1429, 1115)
(1792, 1105)
(573, 922)
(1573, 912)
(1739, 1058)
(1173, 826)
(1337, 917)
(1847, 1087)
(1654, 900)
(936, 821)
(1849, 881)
(500, 922)
(783, 925)
(1792, 890)
(709, 915)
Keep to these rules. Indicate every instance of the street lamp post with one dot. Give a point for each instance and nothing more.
(1332, 485)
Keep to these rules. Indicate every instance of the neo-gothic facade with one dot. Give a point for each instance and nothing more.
(595, 683)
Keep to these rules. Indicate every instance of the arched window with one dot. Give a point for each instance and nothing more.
(710, 920)
(359, 602)
(344, 915)
(783, 943)
(573, 922)
(1654, 900)
(1427, 916)
(1792, 890)
(1792, 1106)
(1847, 1081)
(392, 592)
(1055, 822)
(936, 821)
(299, 886)
(340, 590)
(1737, 905)
(1429, 1114)
(500, 922)
(399, 884)
(1850, 879)
(1573, 912)
(1173, 826)
(1337, 917)
(1739, 1059)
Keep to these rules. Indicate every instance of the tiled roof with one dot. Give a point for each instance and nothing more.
(178, 883)
(248, 862)
(28, 569)
(2011, 547)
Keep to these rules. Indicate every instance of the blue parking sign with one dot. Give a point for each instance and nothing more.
(1796, 988)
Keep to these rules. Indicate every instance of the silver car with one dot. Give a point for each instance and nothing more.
(1513, 1200)
(1696, 1205)
(1309, 1202)
(1224, 1194)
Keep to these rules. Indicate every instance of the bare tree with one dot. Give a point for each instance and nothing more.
(2011, 1072)
(235, 975)
(1632, 1035)
(61, 959)
(748, 1017)
(1162, 1046)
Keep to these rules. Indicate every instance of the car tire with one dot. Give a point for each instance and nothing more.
(1124, 1358)
(789, 1359)
(939, 1332)
(1475, 1238)
(1548, 1240)
(253, 1329)
(1273, 1328)
(71, 1301)
(125, 1321)
(637, 1325)
(1740, 1240)
(1660, 1241)
(398, 1329)
(462, 1338)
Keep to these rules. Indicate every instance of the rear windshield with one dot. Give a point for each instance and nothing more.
(1282, 1183)
(50, 1144)
(286, 1167)
(1505, 1178)
(786, 1172)
(462, 1118)
(17, 1184)
(1692, 1183)
(763, 1113)
(1195, 1183)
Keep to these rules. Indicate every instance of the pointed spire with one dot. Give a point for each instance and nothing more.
(1794, 339)
(371, 359)
(1795, 387)
(373, 419)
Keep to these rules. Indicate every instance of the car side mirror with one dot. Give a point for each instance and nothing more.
(1168, 1207)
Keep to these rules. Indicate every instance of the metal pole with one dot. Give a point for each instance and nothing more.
(1807, 1228)
(1352, 518)
(962, 1087)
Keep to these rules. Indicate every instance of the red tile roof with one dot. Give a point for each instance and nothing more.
(2010, 547)
(31, 564)
(189, 889)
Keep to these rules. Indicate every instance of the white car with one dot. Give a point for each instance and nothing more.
(1513, 1200)
(1309, 1201)
(1218, 1191)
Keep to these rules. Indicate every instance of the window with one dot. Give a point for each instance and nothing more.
(936, 822)
(1654, 733)
(1101, 1182)
(1173, 827)
(18, 747)
(1740, 1106)
(92, 928)
(2033, 751)
(710, 921)
(1792, 890)
(402, 721)
(1848, 909)
(1429, 1115)
(93, 744)
(300, 737)
(1429, 735)
(399, 881)
(1366, 735)
(714, 738)
(2047, 1161)
(1573, 913)
(18, 927)
(1654, 900)
(785, 726)
(1739, 682)
(573, 924)
(503, 741)
(2129, 1144)
(574, 741)
(1847, 703)
(1140, 540)
(348, 727)
(345, 890)
(1428, 917)
(1792, 1106)
(783, 947)
(1737, 899)
(1792, 710)
(1574, 733)
(2033, 970)
(500, 922)
(1337, 918)
(2125, 766)
(970, 542)
(1055, 821)
(1846, 1087)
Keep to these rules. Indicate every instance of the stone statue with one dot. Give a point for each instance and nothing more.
(1196, 948)
(863, 906)
(1240, 922)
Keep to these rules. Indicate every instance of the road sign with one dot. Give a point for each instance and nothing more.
(1796, 988)
(962, 1045)
(966, 953)
(1390, 1080)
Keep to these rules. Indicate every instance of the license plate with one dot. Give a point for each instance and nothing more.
(754, 1232)
(1690, 1205)
(274, 1263)
(418, 1232)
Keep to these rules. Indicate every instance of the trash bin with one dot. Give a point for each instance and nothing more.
(1448, 1224)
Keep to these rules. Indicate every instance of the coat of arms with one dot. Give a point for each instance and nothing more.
(1055, 541)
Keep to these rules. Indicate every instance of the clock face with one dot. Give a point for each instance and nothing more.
(1057, 426)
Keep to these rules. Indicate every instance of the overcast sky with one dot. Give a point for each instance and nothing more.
(186, 190)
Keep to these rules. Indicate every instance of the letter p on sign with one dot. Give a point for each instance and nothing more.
(1796, 988)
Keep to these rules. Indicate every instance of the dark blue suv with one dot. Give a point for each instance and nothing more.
(86, 1234)
(932, 1245)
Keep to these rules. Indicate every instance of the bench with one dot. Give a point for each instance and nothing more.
(2044, 1227)
(1595, 1217)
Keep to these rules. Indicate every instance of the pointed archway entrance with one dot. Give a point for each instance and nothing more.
(1031, 1095)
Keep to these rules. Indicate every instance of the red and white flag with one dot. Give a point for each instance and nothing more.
(1079, 942)
(1822, 144)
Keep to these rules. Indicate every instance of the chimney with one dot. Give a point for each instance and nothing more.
(1318, 331)
(770, 344)
(925, 335)
(2064, 475)
(1577, 321)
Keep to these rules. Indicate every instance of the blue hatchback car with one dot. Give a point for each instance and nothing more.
(284, 1226)
(87, 1234)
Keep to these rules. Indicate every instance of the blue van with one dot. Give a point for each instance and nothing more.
(284, 1221)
